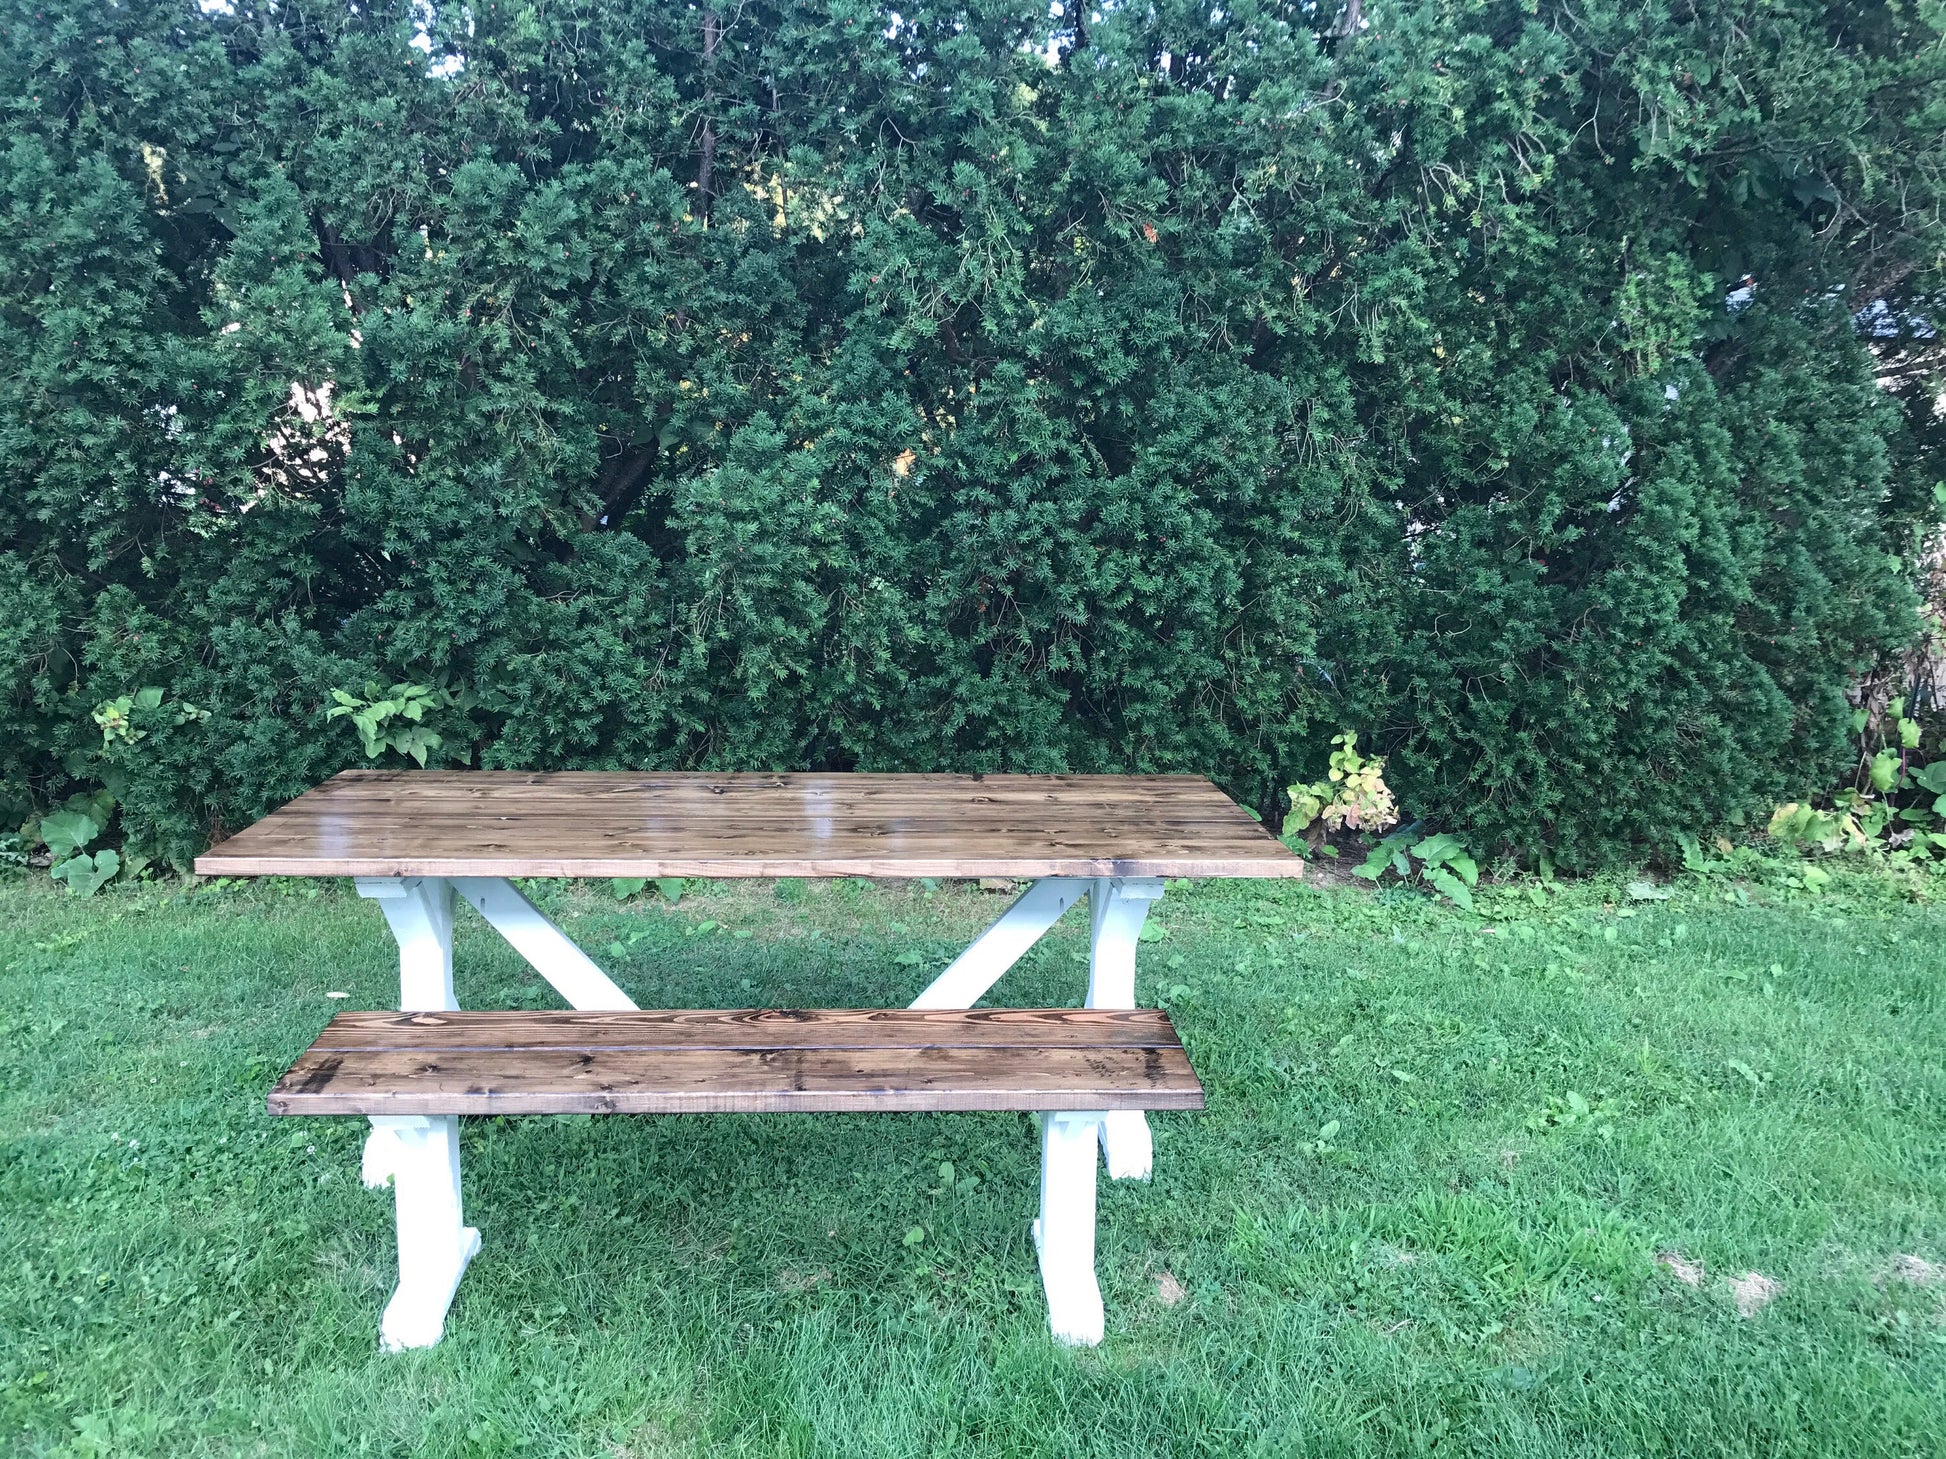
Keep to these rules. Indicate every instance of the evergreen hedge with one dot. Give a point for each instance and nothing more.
(1160, 387)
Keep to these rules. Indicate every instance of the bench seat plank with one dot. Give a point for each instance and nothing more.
(754, 1060)
(749, 1028)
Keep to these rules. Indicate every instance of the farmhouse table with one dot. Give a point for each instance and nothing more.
(420, 842)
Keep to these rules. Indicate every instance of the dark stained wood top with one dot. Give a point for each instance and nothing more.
(595, 823)
(693, 1061)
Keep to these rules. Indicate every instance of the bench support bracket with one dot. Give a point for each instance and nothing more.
(1064, 1235)
(435, 1243)
(418, 1155)
(1003, 944)
(549, 950)
(420, 910)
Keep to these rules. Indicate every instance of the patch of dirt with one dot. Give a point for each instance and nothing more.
(1334, 871)
(1754, 1291)
(1916, 1270)
(651, 1441)
(795, 1281)
(1169, 1291)
(1689, 1273)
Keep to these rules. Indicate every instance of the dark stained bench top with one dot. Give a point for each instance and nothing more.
(501, 823)
(691, 1061)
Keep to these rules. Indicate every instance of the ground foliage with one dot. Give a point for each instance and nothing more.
(1158, 387)
(1485, 1184)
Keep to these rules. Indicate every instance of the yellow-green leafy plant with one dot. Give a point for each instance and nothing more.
(1353, 795)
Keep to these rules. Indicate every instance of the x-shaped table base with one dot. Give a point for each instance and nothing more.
(419, 1154)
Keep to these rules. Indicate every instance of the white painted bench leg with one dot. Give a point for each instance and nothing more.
(419, 911)
(381, 1158)
(1002, 945)
(1118, 906)
(435, 1244)
(1127, 1144)
(1064, 1235)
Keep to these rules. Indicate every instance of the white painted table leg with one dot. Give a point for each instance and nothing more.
(1118, 906)
(1064, 1236)
(435, 1244)
(419, 911)
(1002, 945)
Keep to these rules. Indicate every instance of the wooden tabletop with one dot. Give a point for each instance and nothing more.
(599, 824)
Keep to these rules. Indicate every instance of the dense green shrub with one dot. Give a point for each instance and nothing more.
(1164, 387)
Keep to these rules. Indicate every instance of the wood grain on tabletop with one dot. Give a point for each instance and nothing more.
(612, 824)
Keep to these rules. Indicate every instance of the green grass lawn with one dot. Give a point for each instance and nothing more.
(1423, 1213)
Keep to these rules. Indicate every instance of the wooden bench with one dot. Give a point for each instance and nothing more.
(412, 1074)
